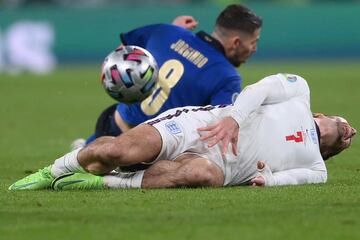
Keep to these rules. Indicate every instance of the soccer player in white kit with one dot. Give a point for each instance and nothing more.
(275, 139)
(276, 127)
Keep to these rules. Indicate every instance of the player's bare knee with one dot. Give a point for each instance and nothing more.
(101, 157)
(205, 173)
(211, 176)
(122, 151)
(200, 177)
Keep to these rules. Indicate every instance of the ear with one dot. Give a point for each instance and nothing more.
(236, 41)
(233, 44)
(317, 115)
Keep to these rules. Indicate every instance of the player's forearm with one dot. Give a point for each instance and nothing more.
(255, 95)
(296, 177)
(270, 90)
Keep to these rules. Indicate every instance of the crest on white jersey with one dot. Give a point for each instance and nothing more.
(173, 127)
(291, 78)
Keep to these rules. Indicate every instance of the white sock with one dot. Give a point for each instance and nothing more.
(128, 180)
(67, 163)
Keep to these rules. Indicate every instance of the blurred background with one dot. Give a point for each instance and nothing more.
(39, 35)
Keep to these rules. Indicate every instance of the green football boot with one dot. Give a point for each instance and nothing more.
(78, 181)
(40, 180)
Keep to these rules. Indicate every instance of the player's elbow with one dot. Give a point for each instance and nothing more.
(323, 177)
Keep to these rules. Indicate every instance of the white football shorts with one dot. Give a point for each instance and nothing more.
(178, 130)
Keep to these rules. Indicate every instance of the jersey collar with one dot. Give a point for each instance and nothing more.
(211, 40)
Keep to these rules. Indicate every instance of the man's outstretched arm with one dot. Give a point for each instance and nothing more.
(295, 176)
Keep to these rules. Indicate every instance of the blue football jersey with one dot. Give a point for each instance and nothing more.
(193, 71)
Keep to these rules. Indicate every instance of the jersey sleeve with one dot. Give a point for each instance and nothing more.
(270, 90)
(316, 173)
(296, 176)
(139, 36)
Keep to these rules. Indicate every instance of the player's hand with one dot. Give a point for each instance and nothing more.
(264, 172)
(120, 47)
(259, 180)
(225, 131)
(187, 22)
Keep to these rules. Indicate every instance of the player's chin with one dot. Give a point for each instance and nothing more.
(238, 63)
(241, 63)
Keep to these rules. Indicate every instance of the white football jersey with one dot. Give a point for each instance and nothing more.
(276, 126)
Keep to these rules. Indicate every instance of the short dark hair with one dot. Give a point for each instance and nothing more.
(240, 18)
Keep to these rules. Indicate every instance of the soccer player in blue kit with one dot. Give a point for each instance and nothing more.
(194, 69)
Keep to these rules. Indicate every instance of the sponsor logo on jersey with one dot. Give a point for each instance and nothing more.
(173, 127)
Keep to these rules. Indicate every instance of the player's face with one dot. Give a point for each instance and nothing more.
(244, 48)
(339, 132)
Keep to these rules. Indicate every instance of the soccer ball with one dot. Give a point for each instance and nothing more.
(129, 74)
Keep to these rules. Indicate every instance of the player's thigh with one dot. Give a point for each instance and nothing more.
(140, 144)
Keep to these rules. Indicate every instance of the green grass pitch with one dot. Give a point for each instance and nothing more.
(41, 115)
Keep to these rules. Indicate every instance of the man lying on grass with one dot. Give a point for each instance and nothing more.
(275, 140)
